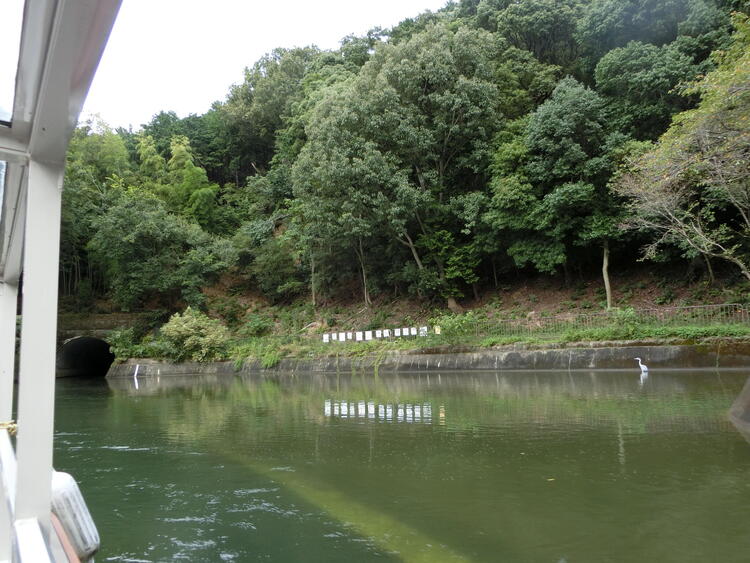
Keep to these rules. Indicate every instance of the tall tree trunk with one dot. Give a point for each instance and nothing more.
(454, 306)
(361, 257)
(312, 280)
(494, 271)
(745, 271)
(605, 273)
(413, 248)
(710, 269)
(410, 244)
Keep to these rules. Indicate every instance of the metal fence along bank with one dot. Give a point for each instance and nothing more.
(540, 325)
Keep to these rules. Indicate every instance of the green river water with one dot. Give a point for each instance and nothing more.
(518, 467)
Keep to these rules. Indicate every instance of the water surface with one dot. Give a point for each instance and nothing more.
(574, 467)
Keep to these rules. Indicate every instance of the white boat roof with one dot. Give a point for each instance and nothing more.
(60, 43)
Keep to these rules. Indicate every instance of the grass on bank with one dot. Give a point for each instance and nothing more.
(193, 336)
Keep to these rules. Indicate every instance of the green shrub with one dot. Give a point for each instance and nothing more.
(256, 325)
(149, 322)
(270, 358)
(627, 322)
(667, 297)
(131, 343)
(229, 308)
(377, 321)
(268, 351)
(122, 342)
(194, 336)
(456, 327)
(276, 270)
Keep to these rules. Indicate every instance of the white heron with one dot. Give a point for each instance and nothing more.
(644, 367)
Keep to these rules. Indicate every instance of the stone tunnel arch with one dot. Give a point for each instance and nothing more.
(84, 356)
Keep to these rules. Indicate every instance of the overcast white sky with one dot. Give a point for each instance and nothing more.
(182, 55)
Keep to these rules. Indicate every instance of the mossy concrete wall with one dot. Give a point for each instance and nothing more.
(70, 325)
(148, 367)
(718, 353)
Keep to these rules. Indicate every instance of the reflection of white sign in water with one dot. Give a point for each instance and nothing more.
(388, 412)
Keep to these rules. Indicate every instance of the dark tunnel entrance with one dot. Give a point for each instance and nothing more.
(84, 356)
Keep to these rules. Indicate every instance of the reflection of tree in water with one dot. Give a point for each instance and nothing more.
(599, 437)
(207, 405)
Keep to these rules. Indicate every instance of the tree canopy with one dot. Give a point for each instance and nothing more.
(430, 159)
(692, 188)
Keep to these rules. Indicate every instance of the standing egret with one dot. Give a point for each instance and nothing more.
(644, 367)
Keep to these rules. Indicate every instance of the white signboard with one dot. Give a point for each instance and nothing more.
(326, 338)
(368, 335)
(397, 332)
(378, 334)
(342, 336)
(413, 331)
(422, 331)
(359, 337)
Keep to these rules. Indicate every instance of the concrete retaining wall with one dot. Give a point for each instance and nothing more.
(724, 353)
(153, 367)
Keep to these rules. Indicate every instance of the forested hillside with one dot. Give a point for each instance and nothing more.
(432, 161)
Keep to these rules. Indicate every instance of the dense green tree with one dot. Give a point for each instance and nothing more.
(410, 27)
(608, 24)
(152, 257)
(255, 109)
(162, 127)
(429, 158)
(693, 188)
(546, 28)
(565, 138)
(525, 82)
(550, 186)
(340, 168)
(206, 133)
(392, 145)
(277, 271)
(355, 51)
(189, 192)
(707, 28)
(183, 185)
(641, 83)
(153, 166)
(96, 157)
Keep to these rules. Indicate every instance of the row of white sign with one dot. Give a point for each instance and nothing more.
(384, 412)
(359, 336)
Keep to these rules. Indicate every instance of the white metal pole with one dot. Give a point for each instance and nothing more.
(7, 490)
(8, 295)
(36, 392)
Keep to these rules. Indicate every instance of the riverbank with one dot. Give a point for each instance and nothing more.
(658, 354)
